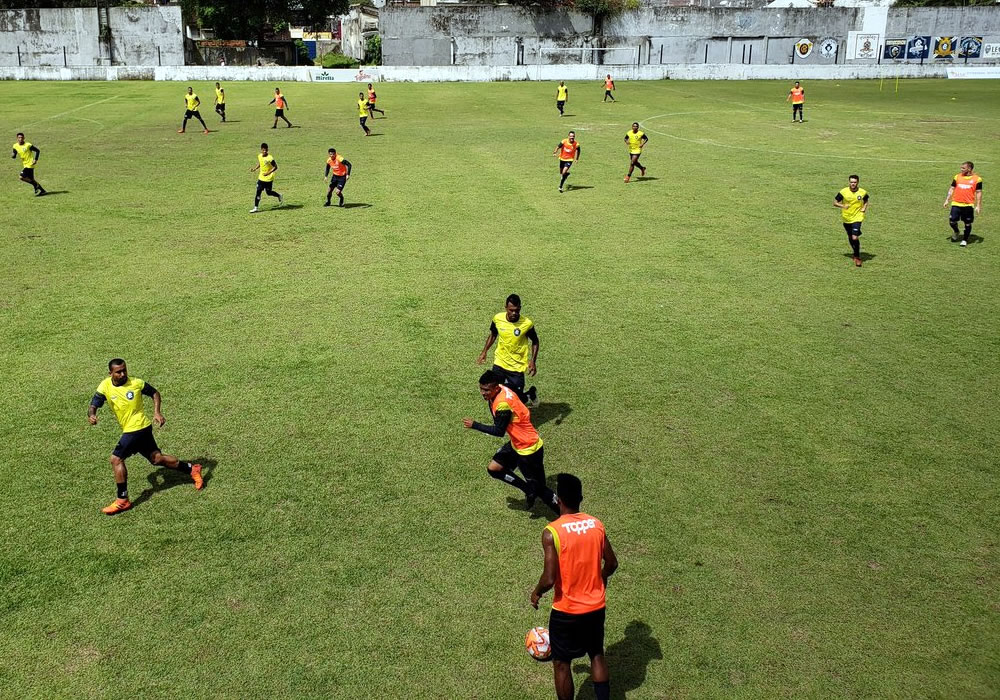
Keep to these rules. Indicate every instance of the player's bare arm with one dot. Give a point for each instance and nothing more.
(947, 198)
(551, 566)
(157, 416)
(610, 561)
(532, 363)
(490, 339)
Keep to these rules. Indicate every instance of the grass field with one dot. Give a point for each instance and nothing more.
(795, 459)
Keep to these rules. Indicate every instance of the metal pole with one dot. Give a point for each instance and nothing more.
(65, 65)
(706, 53)
(751, 55)
(19, 56)
(159, 58)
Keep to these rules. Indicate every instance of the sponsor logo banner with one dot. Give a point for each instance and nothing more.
(895, 49)
(918, 47)
(991, 50)
(970, 47)
(341, 75)
(944, 48)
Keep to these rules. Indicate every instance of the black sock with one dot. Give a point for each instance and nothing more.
(123, 490)
(329, 196)
(256, 201)
(856, 246)
(341, 198)
(272, 193)
(184, 125)
(184, 467)
(511, 478)
(954, 226)
(563, 181)
(602, 691)
(968, 232)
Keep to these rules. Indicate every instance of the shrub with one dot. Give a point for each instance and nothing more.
(338, 60)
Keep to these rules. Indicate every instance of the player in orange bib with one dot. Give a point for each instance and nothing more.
(798, 96)
(524, 451)
(579, 560)
(568, 151)
(966, 198)
(341, 169)
(372, 97)
(609, 87)
(280, 105)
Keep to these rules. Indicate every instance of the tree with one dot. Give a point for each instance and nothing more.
(253, 19)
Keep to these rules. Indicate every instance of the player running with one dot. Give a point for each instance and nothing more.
(635, 140)
(372, 98)
(29, 155)
(568, 151)
(265, 181)
(966, 198)
(517, 351)
(609, 87)
(853, 203)
(798, 97)
(220, 102)
(363, 113)
(578, 561)
(280, 105)
(524, 451)
(191, 104)
(341, 169)
(562, 94)
(125, 394)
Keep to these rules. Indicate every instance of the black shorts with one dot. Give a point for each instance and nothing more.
(532, 466)
(363, 120)
(140, 442)
(964, 214)
(572, 636)
(565, 164)
(337, 182)
(607, 93)
(28, 173)
(560, 103)
(853, 229)
(265, 186)
(220, 107)
(797, 108)
(279, 113)
(514, 380)
(192, 114)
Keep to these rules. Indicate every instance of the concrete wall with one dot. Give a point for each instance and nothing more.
(150, 35)
(508, 35)
(549, 73)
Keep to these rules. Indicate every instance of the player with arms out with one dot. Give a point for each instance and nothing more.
(280, 105)
(609, 87)
(341, 169)
(798, 97)
(562, 94)
(125, 395)
(966, 198)
(29, 155)
(578, 561)
(372, 98)
(265, 181)
(853, 203)
(523, 451)
(513, 356)
(220, 102)
(568, 151)
(191, 104)
(635, 141)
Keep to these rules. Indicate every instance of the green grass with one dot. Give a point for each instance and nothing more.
(795, 459)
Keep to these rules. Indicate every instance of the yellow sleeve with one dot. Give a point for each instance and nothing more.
(102, 388)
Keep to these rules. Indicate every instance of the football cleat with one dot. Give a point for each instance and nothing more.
(120, 505)
(199, 482)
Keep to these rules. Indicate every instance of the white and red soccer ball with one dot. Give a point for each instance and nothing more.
(537, 643)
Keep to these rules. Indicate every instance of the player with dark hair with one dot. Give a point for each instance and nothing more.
(635, 141)
(191, 104)
(966, 198)
(798, 97)
(853, 203)
(372, 99)
(265, 181)
(280, 105)
(562, 94)
(523, 451)
(220, 102)
(341, 169)
(29, 155)
(363, 113)
(125, 394)
(609, 87)
(568, 151)
(578, 561)
(513, 357)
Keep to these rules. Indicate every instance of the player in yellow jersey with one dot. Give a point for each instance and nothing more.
(853, 203)
(363, 113)
(125, 396)
(220, 102)
(517, 351)
(635, 141)
(29, 157)
(191, 104)
(562, 94)
(265, 181)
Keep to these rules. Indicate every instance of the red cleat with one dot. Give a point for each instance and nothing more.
(199, 482)
(626, 178)
(857, 262)
(643, 172)
(206, 131)
(120, 505)
(180, 131)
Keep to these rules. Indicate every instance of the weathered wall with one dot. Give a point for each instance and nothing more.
(507, 35)
(149, 36)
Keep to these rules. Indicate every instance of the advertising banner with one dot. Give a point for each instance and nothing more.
(991, 50)
(970, 47)
(944, 48)
(865, 45)
(895, 49)
(803, 47)
(918, 47)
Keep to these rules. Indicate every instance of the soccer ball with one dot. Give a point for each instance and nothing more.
(536, 642)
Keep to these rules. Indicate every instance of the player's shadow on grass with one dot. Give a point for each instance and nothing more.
(973, 238)
(865, 257)
(643, 178)
(376, 134)
(546, 411)
(570, 188)
(355, 205)
(49, 193)
(163, 479)
(628, 661)
(537, 511)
